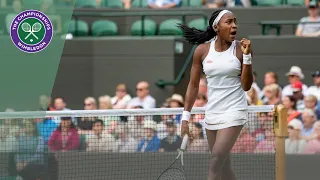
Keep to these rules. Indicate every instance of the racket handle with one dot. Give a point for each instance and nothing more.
(184, 142)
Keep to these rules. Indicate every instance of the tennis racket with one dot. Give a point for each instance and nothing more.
(176, 173)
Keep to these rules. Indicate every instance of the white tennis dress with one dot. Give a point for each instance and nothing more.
(227, 105)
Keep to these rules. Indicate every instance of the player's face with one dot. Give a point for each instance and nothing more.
(228, 27)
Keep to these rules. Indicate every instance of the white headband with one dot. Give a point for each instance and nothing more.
(216, 21)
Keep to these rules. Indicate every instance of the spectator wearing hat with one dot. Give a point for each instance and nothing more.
(176, 101)
(150, 142)
(307, 29)
(294, 144)
(315, 90)
(172, 141)
(313, 146)
(295, 74)
(297, 88)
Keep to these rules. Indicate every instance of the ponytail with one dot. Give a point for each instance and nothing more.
(196, 36)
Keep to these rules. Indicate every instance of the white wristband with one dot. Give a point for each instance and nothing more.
(185, 116)
(247, 59)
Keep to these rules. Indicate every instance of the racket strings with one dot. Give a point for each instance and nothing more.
(173, 174)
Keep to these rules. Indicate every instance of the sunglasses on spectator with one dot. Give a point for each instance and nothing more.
(139, 89)
(88, 104)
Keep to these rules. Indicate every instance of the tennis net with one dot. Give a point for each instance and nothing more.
(135, 144)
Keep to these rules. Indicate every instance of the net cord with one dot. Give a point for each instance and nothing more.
(117, 112)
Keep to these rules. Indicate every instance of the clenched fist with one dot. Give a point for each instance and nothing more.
(245, 46)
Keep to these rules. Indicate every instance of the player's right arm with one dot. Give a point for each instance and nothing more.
(193, 86)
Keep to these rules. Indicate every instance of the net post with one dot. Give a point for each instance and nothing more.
(281, 132)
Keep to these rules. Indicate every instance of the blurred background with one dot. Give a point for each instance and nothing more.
(122, 54)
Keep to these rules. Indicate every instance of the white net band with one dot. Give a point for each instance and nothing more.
(117, 112)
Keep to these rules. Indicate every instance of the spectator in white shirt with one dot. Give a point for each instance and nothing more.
(100, 140)
(121, 99)
(315, 90)
(61, 105)
(295, 74)
(143, 98)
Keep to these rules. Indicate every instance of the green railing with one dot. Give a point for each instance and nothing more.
(142, 15)
(266, 26)
(162, 83)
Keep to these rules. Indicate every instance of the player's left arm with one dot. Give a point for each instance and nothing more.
(244, 53)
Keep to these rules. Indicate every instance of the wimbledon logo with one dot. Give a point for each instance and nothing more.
(31, 31)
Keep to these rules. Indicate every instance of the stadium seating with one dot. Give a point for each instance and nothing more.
(86, 4)
(104, 28)
(82, 28)
(191, 3)
(112, 3)
(295, 2)
(269, 2)
(200, 24)
(169, 27)
(139, 4)
(150, 28)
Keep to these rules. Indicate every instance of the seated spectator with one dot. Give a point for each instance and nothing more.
(45, 128)
(105, 103)
(60, 104)
(12, 125)
(7, 141)
(295, 74)
(127, 4)
(125, 142)
(143, 98)
(269, 78)
(294, 144)
(30, 152)
(85, 123)
(233, 3)
(245, 143)
(136, 126)
(268, 144)
(163, 4)
(45, 103)
(65, 137)
(290, 103)
(298, 95)
(201, 100)
(308, 119)
(254, 97)
(176, 101)
(306, 29)
(315, 90)
(100, 141)
(313, 146)
(150, 142)
(122, 98)
(198, 143)
(311, 102)
(265, 122)
(273, 93)
(215, 3)
(172, 142)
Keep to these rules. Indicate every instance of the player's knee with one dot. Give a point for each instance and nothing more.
(217, 160)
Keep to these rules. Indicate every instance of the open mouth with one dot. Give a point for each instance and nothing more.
(233, 33)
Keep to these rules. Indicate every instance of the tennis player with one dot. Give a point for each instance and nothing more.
(226, 63)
